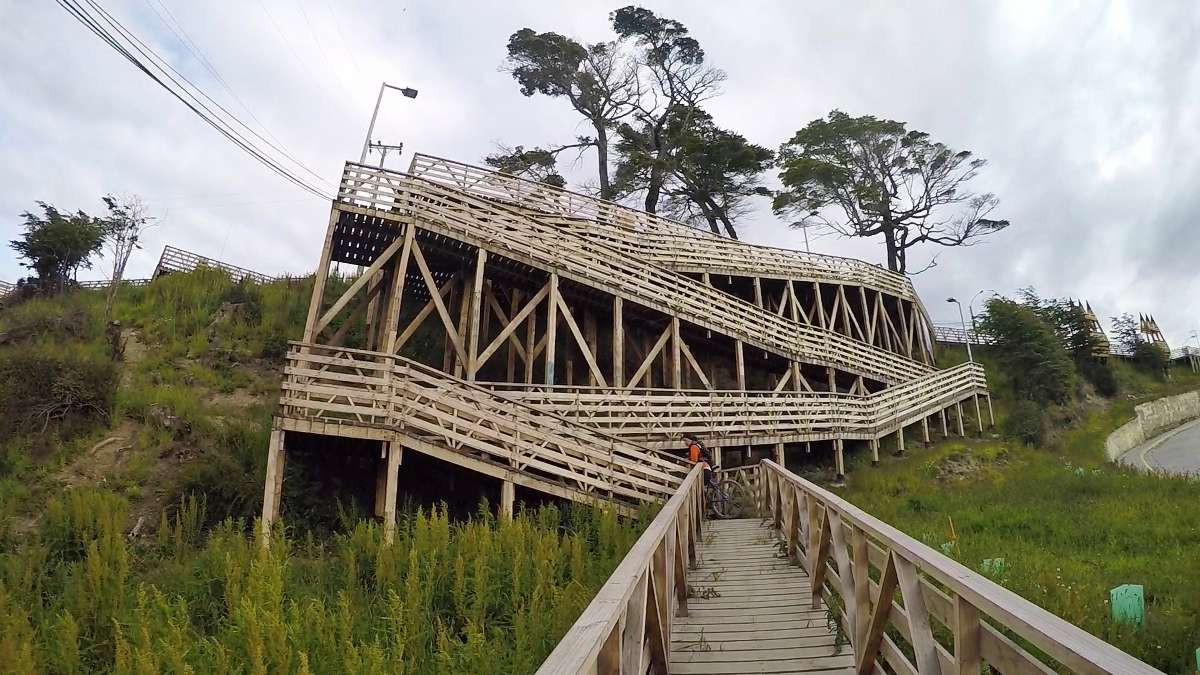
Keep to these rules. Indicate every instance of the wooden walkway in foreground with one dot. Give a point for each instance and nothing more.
(759, 617)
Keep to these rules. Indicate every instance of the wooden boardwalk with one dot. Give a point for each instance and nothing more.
(759, 618)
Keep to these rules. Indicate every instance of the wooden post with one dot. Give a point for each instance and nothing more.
(508, 496)
(273, 485)
(381, 482)
(966, 637)
(676, 355)
(592, 340)
(530, 345)
(978, 414)
(551, 327)
(900, 440)
(395, 453)
(779, 456)
(758, 296)
(618, 342)
(839, 459)
(961, 432)
(832, 379)
(991, 415)
(476, 306)
(874, 452)
(372, 310)
(945, 428)
(925, 429)
(399, 274)
(739, 357)
(717, 455)
(511, 365)
(319, 278)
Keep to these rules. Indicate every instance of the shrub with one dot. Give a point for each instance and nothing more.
(1101, 376)
(1029, 351)
(1026, 423)
(72, 389)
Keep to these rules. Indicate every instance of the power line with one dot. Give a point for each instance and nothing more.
(86, 17)
(186, 40)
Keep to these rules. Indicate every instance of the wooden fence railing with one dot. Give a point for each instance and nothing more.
(490, 225)
(673, 244)
(627, 626)
(178, 260)
(935, 616)
(423, 407)
(660, 417)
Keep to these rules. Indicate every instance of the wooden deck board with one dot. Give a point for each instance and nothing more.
(761, 620)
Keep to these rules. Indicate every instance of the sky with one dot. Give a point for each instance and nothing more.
(1087, 112)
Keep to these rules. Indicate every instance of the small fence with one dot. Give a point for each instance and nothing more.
(178, 260)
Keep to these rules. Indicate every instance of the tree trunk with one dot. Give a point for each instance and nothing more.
(723, 215)
(602, 160)
(654, 188)
(895, 261)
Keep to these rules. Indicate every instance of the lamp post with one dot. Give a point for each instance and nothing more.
(408, 93)
(966, 334)
(971, 305)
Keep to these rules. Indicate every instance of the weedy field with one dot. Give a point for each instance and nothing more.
(1067, 525)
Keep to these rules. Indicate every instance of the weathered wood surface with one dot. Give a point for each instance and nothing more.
(749, 610)
(672, 244)
(936, 615)
(627, 628)
(506, 232)
(348, 391)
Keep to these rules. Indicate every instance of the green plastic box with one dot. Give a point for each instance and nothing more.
(1128, 604)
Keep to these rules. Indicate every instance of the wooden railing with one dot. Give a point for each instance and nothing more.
(659, 417)
(487, 224)
(627, 626)
(178, 260)
(426, 408)
(948, 618)
(660, 240)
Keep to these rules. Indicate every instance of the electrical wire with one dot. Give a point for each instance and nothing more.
(90, 21)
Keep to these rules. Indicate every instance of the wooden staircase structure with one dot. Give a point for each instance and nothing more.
(565, 344)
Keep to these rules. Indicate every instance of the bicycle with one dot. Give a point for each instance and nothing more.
(724, 498)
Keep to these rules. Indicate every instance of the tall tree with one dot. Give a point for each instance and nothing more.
(595, 79)
(127, 219)
(56, 244)
(536, 164)
(713, 174)
(677, 82)
(882, 180)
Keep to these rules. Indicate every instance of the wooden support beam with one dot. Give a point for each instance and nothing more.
(530, 341)
(758, 293)
(649, 360)
(900, 440)
(991, 415)
(475, 310)
(395, 453)
(508, 497)
(779, 456)
(443, 313)
(945, 428)
(978, 414)
(590, 335)
(958, 408)
(581, 340)
(551, 328)
(839, 459)
(618, 342)
(676, 366)
(273, 485)
(866, 652)
(687, 354)
(319, 279)
(967, 657)
(870, 324)
(421, 315)
(925, 429)
(739, 358)
(363, 279)
(819, 305)
(874, 452)
(399, 277)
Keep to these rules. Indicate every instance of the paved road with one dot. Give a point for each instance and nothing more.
(1177, 451)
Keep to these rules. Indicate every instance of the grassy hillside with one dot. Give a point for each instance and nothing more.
(1069, 525)
(128, 491)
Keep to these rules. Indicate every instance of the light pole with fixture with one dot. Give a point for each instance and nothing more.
(963, 321)
(971, 305)
(408, 92)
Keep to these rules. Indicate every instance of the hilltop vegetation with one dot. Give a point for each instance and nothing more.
(1039, 494)
(128, 491)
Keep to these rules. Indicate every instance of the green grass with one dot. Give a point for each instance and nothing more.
(1069, 525)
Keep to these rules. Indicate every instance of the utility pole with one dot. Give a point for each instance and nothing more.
(383, 150)
(408, 93)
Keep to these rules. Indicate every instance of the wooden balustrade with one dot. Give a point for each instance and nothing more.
(178, 260)
(627, 626)
(667, 242)
(661, 417)
(486, 224)
(338, 390)
(939, 616)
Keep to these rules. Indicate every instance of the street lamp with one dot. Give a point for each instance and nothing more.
(408, 93)
(966, 335)
(971, 305)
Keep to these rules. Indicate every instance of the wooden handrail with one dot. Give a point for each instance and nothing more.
(635, 607)
(839, 543)
(505, 232)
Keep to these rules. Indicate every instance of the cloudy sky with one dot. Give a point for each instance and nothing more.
(1089, 115)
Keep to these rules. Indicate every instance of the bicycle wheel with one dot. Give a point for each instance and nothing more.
(717, 502)
(735, 497)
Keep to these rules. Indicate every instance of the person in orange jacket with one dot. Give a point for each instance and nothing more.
(698, 455)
